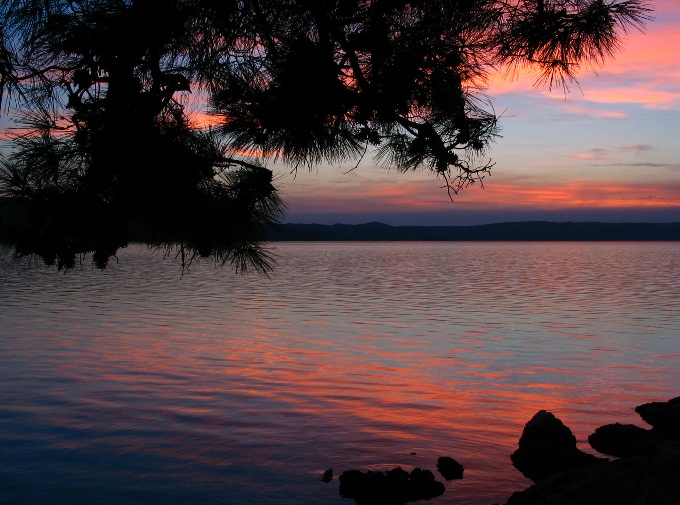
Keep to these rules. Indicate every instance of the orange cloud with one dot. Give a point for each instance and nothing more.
(426, 196)
(595, 196)
(203, 119)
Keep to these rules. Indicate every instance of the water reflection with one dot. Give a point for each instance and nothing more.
(136, 385)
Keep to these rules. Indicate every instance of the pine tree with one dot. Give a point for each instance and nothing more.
(110, 154)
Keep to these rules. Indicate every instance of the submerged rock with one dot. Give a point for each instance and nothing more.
(622, 440)
(449, 468)
(327, 476)
(394, 487)
(547, 447)
(664, 417)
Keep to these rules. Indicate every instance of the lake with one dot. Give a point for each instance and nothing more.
(140, 385)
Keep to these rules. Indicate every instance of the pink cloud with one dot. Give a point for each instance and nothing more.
(646, 71)
(643, 94)
(580, 108)
(607, 153)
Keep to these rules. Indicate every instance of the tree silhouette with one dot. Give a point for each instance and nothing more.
(109, 152)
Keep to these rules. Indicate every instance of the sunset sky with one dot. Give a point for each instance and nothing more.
(607, 151)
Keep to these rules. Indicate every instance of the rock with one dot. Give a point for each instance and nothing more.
(424, 486)
(664, 417)
(449, 468)
(547, 447)
(327, 476)
(649, 479)
(641, 480)
(393, 487)
(622, 440)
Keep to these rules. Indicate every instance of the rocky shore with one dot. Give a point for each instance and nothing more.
(647, 471)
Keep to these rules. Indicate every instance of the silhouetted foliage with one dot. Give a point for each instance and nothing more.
(109, 152)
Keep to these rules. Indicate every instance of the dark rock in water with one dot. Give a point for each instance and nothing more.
(646, 479)
(664, 417)
(449, 468)
(424, 485)
(394, 487)
(641, 480)
(622, 440)
(327, 476)
(547, 447)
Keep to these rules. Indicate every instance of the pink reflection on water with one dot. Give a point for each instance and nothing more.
(178, 390)
(390, 409)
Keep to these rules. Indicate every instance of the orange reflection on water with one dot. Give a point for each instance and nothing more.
(265, 385)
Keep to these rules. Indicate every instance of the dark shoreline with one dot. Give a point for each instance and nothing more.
(520, 231)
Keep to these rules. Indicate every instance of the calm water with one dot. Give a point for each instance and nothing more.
(139, 385)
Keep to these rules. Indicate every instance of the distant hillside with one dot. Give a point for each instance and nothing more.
(524, 231)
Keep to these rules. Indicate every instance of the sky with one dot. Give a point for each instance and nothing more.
(608, 151)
